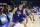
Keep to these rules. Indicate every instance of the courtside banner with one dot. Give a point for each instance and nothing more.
(3, 3)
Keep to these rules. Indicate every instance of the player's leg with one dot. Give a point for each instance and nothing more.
(22, 21)
(11, 23)
(26, 20)
(30, 17)
(24, 24)
(33, 16)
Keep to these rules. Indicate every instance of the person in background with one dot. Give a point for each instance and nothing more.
(2, 9)
(35, 12)
(9, 8)
(5, 11)
(31, 13)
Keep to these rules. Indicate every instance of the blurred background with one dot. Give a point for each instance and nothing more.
(15, 3)
(7, 6)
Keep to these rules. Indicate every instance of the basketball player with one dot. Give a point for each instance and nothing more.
(35, 11)
(25, 12)
(31, 13)
(18, 15)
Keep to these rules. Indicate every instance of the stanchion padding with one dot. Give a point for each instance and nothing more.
(3, 19)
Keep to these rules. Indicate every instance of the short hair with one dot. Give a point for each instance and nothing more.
(20, 3)
(25, 6)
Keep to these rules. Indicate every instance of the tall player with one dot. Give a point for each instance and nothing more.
(18, 15)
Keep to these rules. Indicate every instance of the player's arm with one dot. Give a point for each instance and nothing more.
(24, 12)
(37, 11)
(11, 17)
(13, 13)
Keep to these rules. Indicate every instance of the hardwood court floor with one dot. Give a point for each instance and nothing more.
(35, 23)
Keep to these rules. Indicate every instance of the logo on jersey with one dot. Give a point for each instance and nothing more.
(18, 12)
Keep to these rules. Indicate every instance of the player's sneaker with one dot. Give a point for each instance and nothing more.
(33, 20)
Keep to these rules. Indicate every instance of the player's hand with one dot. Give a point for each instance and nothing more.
(25, 15)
